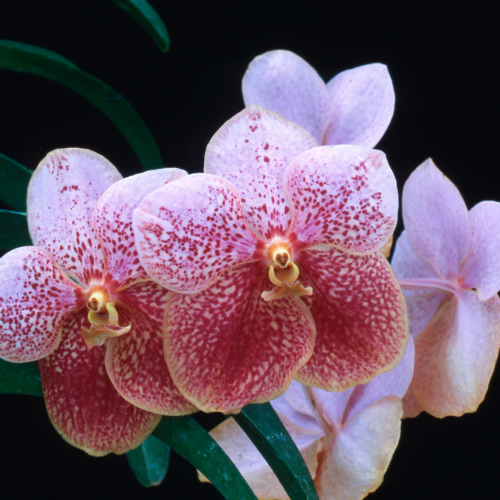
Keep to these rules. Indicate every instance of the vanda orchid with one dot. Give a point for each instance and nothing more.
(274, 253)
(80, 302)
(354, 107)
(448, 263)
(347, 439)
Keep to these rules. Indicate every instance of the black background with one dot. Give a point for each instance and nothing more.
(444, 67)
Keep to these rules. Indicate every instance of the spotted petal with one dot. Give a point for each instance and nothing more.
(35, 297)
(283, 82)
(226, 347)
(252, 150)
(135, 362)
(62, 194)
(456, 354)
(362, 103)
(482, 267)
(112, 222)
(344, 196)
(81, 401)
(436, 220)
(191, 230)
(360, 316)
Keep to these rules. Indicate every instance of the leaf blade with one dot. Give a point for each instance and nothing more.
(47, 64)
(191, 441)
(13, 230)
(20, 378)
(263, 426)
(142, 12)
(149, 462)
(14, 179)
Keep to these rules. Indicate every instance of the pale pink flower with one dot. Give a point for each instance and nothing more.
(448, 263)
(273, 220)
(99, 332)
(347, 439)
(354, 107)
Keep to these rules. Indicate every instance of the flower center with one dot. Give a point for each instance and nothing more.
(283, 272)
(103, 317)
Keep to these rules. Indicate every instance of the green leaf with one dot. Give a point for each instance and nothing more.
(191, 441)
(37, 61)
(14, 179)
(13, 230)
(150, 461)
(20, 378)
(146, 16)
(268, 434)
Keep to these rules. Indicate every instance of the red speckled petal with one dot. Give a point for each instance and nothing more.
(227, 347)
(360, 316)
(252, 151)
(62, 194)
(112, 221)
(283, 82)
(436, 220)
(35, 297)
(81, 401)
(482, 266)
(362, 105)
(344, 196)
(191, 230)
(135, 361)
(455, 355)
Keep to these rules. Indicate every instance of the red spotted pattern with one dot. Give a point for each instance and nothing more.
(82, 402)
(192, 230)
(35, 297)
(61, 197)
(344, 196)
(360, 316)
(252, 151)
(227, 347)
(112, 222)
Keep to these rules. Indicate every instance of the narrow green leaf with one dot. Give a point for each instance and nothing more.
(20, 378)
(37, 61)
(191, 441)
(13, 230)
(14, 179)
(146, 16)
(268, 434)
(149, 462)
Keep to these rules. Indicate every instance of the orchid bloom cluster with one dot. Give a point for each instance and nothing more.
(265, 278)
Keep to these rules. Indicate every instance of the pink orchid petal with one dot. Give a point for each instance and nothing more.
(344, 196)
(283, 82)
(456, 354)
(81, 401)
(252, 151)
(296, 398)
(360, 316)
(252, 465)
(136, 366)
(355, 459)
(482, 267)
(35, 297)
(227, 347)
(288, 415)
(393, 383)
(112, 222)
(436, 220)
(192, 230)
(62, 194)
(411, 407)
(362, 101)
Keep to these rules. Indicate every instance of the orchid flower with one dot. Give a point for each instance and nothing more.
(274, 253)
(80, 302)
(354, 107)
(347, 439)
(448, 263)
